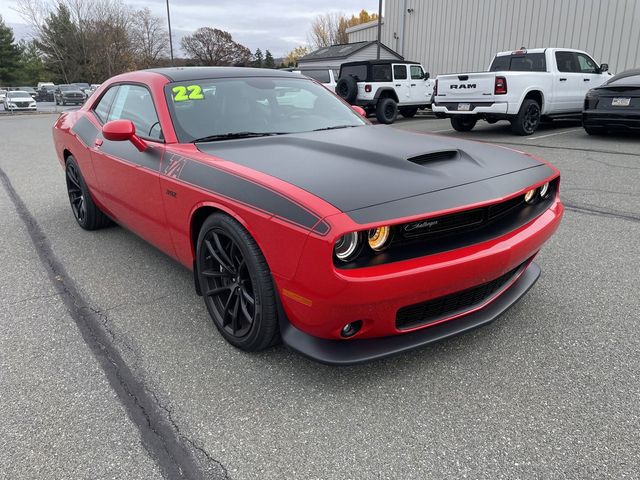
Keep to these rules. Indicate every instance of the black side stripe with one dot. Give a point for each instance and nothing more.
(237, 188)
(207, 177)
(86, 131)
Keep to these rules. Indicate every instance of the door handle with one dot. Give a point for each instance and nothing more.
(413, 84)
(398, 85)
(587, 79)
(563, 79)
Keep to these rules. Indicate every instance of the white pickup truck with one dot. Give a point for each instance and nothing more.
(522, 86)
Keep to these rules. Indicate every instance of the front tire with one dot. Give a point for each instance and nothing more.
(386, 110)
(463, 124)
(86, 213)
(528, 118)
(236, 284)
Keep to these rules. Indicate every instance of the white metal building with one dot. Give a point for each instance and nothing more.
(463, 35)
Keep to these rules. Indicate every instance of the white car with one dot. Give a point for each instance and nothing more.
(386, 87)
(326, 76)
(19, 100)
(3, 94)
(522, 86)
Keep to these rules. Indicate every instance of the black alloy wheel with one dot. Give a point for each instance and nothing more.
(85, 211)
(229, 288)
(528, 118)
(236, 284)
(76, 194)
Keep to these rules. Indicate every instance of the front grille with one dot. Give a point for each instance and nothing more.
(431, 311)
(22, 104)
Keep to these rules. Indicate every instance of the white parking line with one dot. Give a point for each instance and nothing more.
(554, 134)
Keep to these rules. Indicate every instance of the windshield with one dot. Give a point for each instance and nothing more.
(256, 105)
(18, 95)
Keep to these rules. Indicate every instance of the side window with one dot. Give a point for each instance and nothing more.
(586, 64)
(133, 102)
(381, 73)
(102, 108)
(399, 72)
(567, 62)
(416, 72)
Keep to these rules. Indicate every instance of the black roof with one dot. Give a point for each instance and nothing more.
(342, 50)
(181, 74)
(377, 62)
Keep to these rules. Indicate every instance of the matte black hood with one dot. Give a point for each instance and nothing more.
(360, 167)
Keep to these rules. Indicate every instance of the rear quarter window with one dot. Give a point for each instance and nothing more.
(359, 72)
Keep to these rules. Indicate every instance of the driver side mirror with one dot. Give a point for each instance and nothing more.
(604, 67)
(426, 76)
(359, 110)
(123, 130)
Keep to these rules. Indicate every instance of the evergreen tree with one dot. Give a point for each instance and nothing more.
(9, 55)
(269, 62)
(258, 59)
(31, 68)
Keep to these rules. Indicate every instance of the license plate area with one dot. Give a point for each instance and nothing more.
(464, 107)
(620, 102)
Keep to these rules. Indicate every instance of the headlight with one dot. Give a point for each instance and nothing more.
(530, 196)
(378, 238)
(347, 246)
(544, 191)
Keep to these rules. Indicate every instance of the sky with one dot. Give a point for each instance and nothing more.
(275, 25)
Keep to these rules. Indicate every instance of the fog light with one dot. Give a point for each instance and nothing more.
(350, 329)
(378, 238)
(530, 196)
(544, 191)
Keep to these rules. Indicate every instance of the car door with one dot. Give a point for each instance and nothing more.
(129, 180)
(569, 84)
(591, 75)
(401, 83)
(421, 89)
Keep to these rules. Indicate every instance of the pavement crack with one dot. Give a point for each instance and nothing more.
(174, 455)
(590, 210)
(34, 297)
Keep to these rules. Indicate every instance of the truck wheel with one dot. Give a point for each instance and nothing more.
(408, 112)
(386, 110)
(528, 118)
(347, 88)
(463, 124)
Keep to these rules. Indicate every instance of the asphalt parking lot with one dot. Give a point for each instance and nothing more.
(43, 107)
(110, 368)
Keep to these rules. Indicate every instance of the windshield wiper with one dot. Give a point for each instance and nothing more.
(227, 136)
(335, 127)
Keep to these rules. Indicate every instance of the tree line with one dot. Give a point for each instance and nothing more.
(92, 40)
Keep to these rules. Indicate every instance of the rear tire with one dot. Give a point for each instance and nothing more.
(408, 112)
(386, 110)
(528, 119)
(594, 130)
(85, 211)
(236, 284)
(463, 124)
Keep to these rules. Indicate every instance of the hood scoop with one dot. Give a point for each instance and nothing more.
(439, 156)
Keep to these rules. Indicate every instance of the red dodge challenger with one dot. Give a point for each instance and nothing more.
(301, 221)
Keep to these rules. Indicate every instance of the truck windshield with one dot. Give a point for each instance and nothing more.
(528, 62)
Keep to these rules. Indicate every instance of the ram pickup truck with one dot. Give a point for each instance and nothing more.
(522, 86)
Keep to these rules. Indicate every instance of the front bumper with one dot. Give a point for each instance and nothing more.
(340, 352)
(319, 300)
